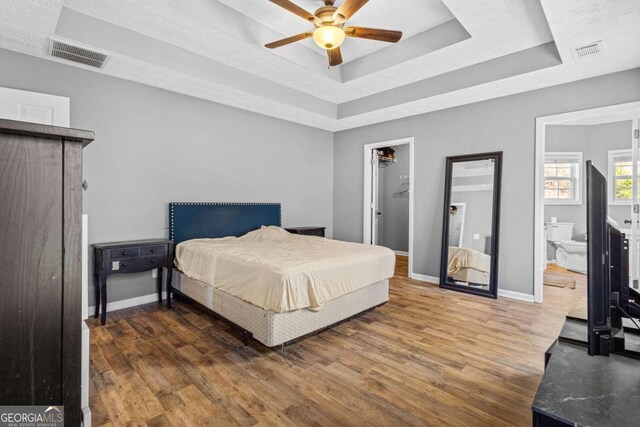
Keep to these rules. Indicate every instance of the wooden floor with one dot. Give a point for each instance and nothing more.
(428, 357)
(577, 297)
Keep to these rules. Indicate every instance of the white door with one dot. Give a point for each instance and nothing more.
(634, 267)
(375, 196)
(34, 107)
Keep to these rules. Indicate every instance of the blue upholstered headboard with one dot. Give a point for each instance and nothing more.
(211, 220)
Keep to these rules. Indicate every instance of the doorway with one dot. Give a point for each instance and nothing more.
(388, 198)
(34, 107)
(609, 137)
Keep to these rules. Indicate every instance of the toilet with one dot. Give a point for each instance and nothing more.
(572, 255)
(569, 254)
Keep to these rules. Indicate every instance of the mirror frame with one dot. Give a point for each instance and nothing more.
(492, 292)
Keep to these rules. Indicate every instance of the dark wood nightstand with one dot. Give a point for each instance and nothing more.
(307, 231)
(129, 257)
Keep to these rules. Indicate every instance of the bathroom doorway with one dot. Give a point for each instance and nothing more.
(608, 137)
(388, 199)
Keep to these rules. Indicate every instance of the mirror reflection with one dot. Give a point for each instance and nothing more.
(470, 223)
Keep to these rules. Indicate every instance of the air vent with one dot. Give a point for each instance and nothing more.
(78, 54)
(588, 50)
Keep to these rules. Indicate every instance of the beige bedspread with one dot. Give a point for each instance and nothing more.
(460, 258)
(276, 270)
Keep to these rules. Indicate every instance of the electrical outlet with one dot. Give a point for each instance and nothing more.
(154, 273)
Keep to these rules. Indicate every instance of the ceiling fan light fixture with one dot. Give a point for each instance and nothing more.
(329, 36)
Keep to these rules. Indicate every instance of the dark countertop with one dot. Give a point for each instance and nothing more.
(590, 390)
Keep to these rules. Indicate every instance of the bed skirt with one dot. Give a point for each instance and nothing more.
(271, 328)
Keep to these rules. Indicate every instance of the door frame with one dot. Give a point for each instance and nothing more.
(540, 141)
(367, 190)
(464, 214)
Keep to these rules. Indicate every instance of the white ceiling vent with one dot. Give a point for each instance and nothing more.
(588, 50)
(78, 54)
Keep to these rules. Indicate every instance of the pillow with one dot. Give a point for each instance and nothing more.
(271, 232)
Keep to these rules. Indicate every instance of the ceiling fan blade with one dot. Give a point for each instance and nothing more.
(347, 9)
(335, 56)
(288, 40)
(388, 36)
(295, 9)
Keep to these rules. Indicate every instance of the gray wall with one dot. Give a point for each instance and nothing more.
(477, 218)
(594, 142)
(503, 124)
(395, 208)
(153, 147)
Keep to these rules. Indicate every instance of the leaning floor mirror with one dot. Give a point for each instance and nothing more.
(471, 224)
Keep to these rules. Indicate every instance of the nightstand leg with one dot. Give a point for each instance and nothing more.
(169, 287)
(159, 284)
(103, 297)
(96, 285)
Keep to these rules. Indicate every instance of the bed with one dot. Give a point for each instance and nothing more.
(469, 266)
(233, 259)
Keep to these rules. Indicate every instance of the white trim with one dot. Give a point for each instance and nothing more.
(85, 266)
(472, 187)
(501, 292)
(515, 295)
(464, 172)
(401, 253)
(611, 183)
(464, 217)
(538, 225)
(424, 278)
(576, 179)
(131, 302)
(366, 234)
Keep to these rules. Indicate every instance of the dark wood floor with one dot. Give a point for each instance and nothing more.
(428, 357)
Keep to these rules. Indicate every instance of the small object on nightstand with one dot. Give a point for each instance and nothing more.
(129, 257)
(307, 231)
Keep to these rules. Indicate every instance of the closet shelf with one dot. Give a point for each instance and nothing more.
(385, 161)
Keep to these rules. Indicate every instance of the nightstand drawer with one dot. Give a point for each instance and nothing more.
(153, 250)
(138, 264)
(123, 253)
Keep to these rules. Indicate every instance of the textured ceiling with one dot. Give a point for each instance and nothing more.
(454, 52)
(409, 16)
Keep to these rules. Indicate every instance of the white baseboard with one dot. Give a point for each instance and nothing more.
(515, 295)
(131, 302)
(425, 278)
(401, 253)
(501, 292)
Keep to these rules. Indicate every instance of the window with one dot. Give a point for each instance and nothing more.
(562, 173)
(620, 177)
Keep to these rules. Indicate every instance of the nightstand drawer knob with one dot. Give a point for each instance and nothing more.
(153, 251)
(124, 264)
(153, 261)
(125, 253)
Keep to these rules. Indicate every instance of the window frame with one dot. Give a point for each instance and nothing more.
(612, 155)
(571, 156)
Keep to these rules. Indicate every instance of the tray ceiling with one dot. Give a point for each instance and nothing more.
(409, 16)
(454, 51)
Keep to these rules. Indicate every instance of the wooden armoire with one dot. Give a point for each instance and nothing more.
(40, 265)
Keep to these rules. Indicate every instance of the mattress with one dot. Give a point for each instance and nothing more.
(271, 328)
(460, 258)
(469, 275)
(281, 272)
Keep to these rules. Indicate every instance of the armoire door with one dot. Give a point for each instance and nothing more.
(31, 270)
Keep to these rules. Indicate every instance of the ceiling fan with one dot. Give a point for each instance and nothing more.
(329, 22)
